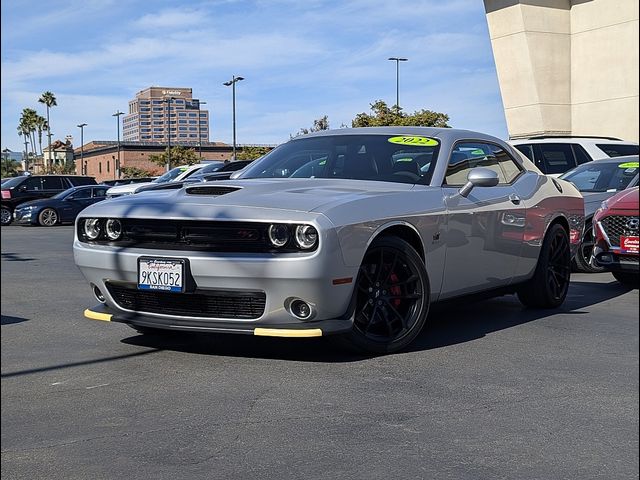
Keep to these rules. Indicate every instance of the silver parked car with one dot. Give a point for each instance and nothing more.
(352, 232)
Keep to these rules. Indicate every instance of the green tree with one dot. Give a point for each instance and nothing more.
(178, 156)
(41, 126)
(383, 115)
(49, 99)
(321, 123)
(252, 152)
(9, 166)
(133, 172)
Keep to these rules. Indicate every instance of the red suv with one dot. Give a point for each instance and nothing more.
(615, 230)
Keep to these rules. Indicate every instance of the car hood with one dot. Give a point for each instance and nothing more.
(129, 188)
(38, 203)
(205, 199)
(625, 200)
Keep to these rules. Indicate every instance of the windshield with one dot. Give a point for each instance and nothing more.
(170, 175)
(383, 158)
(12, 182)
(61, 195)
(602, 177)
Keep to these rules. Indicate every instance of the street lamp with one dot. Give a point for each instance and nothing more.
(232, 83)
(82, 165)
(117, 167)
(168, 101)
(199, 137)
(398, 60)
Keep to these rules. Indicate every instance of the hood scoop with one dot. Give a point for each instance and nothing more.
(210, 190)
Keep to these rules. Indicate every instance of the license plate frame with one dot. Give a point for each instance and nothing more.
(169, 266)
(629, 243)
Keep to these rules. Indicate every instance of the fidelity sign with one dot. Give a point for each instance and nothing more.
(171, 92)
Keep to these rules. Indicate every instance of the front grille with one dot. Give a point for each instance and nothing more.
(202, 303)
(616, 226)
(628, 259)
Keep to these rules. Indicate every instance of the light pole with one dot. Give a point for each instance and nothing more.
(168, 100)
(232, 83)
(82, 166)
(199, 137)
(117, 167)
(398, 60)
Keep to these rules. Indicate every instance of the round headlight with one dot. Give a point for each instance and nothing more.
(92, 228)
(306, 236)
(113, 229)
(278, 235)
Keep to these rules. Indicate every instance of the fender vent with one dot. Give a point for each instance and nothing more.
(211, 190)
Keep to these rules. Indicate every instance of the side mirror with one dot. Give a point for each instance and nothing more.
(479, 177)
(22, 188)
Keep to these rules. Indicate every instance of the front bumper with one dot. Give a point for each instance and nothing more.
(311, 277)
(615, 261)
(293, 330)
(25, 217)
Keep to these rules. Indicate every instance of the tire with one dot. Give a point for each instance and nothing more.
(628, 279)
(48, 217)
(583, 255)
(549, 285)
(6, 217)
(392, 298)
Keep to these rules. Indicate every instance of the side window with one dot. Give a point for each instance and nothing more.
(527, 150)
(52, 183)
(581, 154)
(558, 157)
(82, 194)
(509, 167)
(469, 155)
(99, 192)
(33, 184)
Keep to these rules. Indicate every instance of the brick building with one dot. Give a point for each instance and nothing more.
(100, 157)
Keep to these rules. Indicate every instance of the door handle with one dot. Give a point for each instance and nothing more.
(515, 199)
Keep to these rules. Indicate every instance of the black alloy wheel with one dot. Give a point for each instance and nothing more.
(392, 297)
(550, 283)
(5, 216)
(583, 255)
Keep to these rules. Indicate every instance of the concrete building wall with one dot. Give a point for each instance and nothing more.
(567, 67)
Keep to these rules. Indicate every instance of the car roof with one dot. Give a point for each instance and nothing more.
(603, 140)
(621, 159)
(451, 134)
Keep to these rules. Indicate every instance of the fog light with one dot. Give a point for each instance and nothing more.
(113, 229)
(92, 228)
(300, 309)
(606, 258)
(279, 234)
(98, 294)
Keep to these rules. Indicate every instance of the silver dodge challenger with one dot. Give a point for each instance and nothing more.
(352, 232)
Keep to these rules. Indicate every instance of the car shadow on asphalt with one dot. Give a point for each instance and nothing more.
(448, 324)
(14, 257)
(9, 320)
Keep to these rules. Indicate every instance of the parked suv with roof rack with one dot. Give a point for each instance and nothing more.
(22, 189)
(556, 155)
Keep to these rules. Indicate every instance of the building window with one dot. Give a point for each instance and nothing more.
(182, 114)
(99, 167)
(107, 166)
(158, 136)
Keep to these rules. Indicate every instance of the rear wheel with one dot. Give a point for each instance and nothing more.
(628, 279)
(392, 297)
(550, 283)
(5, 216)
(48, 217)
(583, 255)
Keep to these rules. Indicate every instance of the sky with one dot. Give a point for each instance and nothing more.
(301, 60)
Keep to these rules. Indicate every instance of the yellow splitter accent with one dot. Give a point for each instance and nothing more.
(105, 317)
(282, 332)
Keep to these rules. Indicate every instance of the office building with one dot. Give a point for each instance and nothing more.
(163, 114)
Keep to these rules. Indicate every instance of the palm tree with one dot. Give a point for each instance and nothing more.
(49, 99)
(41, 125)
(28, 126)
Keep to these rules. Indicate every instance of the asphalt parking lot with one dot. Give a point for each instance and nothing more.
(488, 390)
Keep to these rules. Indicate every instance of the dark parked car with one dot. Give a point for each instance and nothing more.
(61, 208)
(597, 181)
(210, 167)
(615, 229)
(18, 190)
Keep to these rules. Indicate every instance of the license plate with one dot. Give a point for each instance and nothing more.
(629, 244)
(161, 274)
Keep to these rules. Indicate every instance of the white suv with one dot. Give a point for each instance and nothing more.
(174, 175)
(556, 155)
